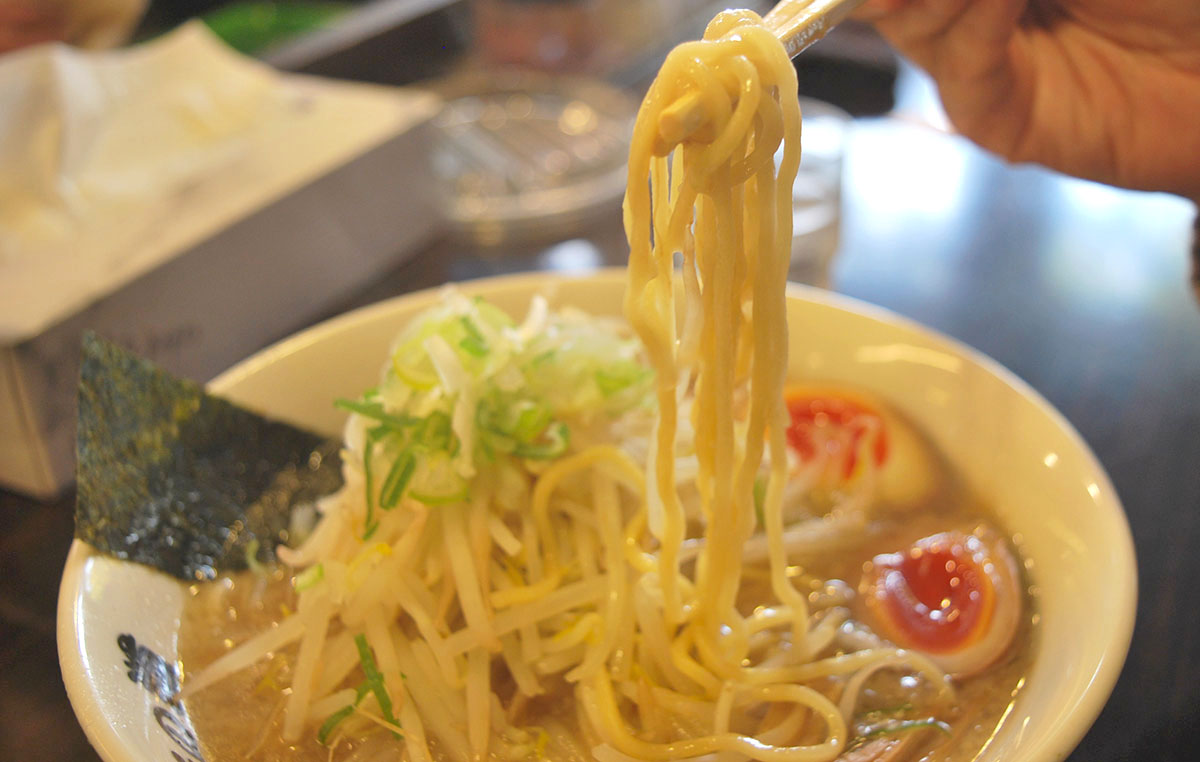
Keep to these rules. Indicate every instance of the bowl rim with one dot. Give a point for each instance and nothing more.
(100, 734)
(1081, 714)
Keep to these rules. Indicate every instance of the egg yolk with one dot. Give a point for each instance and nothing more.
(838, 426)
(934, 597)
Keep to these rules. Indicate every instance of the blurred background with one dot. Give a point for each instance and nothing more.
(1085, 291)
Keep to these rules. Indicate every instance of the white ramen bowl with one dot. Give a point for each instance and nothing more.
(1012, 447)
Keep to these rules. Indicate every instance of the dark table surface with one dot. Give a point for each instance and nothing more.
(1082, 290)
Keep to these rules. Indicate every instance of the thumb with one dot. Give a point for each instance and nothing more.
(970, 49)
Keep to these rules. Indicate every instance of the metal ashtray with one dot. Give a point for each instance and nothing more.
(522, 156)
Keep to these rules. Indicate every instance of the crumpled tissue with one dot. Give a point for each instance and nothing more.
(111, 162)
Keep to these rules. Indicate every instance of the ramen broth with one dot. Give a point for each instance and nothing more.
(242, 717)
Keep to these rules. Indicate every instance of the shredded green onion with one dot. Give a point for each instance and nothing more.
(361, 692)
(437, 483)
(375, 411)
(374, 678)
(331, 722)
(373, 437)
(906, 726)
(309, 577)
(334, 719)
(397, 479)
(526, 419)
(421, 379)
(619, 377)
(552, 444)
(434, 433)
(511, 393)
(520, 427)
(474, 343)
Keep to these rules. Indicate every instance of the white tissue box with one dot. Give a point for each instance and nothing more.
(296, 220)
(273, 271)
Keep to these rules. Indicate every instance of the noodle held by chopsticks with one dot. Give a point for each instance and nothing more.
(482, 561)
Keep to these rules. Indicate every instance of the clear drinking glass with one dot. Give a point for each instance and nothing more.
(817, 193)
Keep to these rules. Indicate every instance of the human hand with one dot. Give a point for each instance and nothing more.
(1108, 90)
(29, 22)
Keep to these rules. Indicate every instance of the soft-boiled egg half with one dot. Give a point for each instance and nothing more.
(851, 436)
(954, 596)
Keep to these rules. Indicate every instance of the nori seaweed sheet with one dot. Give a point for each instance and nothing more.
(174, 478)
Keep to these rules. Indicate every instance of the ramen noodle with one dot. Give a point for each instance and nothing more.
(577, 538)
